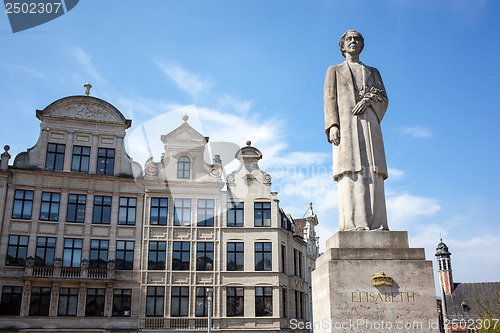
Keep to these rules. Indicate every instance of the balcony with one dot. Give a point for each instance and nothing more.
(80, 273)
(152, 323)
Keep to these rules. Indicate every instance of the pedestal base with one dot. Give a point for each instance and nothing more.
(345, 298)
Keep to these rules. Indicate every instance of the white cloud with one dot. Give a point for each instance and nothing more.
(395, 174)
(416, 131)
(187, 81)
(33, 72)
(403, 208)
(85, 60)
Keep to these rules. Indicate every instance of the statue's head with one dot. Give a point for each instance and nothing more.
(351, 33)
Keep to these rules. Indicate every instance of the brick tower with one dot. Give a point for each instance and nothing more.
(444, 268)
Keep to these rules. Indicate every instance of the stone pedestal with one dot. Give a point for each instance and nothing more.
(345, 298)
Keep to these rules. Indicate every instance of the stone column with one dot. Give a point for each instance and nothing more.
(25, 302)
(82, 297)
(118, 154)
(35, 214)
(44, 136)
(108, 305)
(4, 164)
(54, 299)
(93, 153)
(68, 152)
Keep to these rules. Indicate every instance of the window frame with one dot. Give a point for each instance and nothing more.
(77, 204)
(47, 251)
(102, 210)
(122, 299)
(68, 307)
(235, 214)
(20, 244)
(158, 213)
(98, 255)
(235, 250)
(56, 160)
(201, 302)
(184, 167)
(158, 254)
(49, 206)
(97, 295)
(179, 255)
(79, 159)
(205, 212)
(128, 207)
(124, 252)
(262, 214)
(205, 256)
(10, 303)
(181, 207)
(158, 301)
(263, 298)
(181, 297)
(40, 301)
(263, 254)
(25, 202)
(76, 252)
(105, 162)
(234, 301)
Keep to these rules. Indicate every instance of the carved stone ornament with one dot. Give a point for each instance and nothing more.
(85, 263)
(249, 178)
(85, 111)
(267, 178)
(215, 171)
(151, 168)
(30, 261)
(230, 178)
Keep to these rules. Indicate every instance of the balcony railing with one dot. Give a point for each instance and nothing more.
(151, 323)
(70, 272)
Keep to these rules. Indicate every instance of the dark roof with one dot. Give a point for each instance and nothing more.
(442, 250)
(467, 299)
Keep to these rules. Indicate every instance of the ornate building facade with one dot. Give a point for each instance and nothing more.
(89, 242)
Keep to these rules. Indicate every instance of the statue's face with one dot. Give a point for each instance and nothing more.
(353, 43)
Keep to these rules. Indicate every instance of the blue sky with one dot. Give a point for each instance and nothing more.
(254, 70)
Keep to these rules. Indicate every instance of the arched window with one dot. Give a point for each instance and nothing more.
(183, 167)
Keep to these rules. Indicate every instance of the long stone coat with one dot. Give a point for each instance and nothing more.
(361, 141)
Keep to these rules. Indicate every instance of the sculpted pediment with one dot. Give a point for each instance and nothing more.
(84, 107)
(184, 133)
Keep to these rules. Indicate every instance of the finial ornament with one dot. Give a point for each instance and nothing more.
(249, 143)
(87, 88)
(311, 208)
(6, 147)
(185, 117)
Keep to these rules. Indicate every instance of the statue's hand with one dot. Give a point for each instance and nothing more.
(335, 135)
(360, 108)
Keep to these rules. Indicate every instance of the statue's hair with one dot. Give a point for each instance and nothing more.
(342, 40)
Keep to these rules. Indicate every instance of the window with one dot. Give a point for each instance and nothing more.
(157, 253)
(180, 301)
(98, 253)
(159, 211)
(262, 214)
(40, 301)
(55, 156)
(95, 302)
(263, 256)
(180, 256)
(205, 213)
(234, 301)
(235, 256)
(235, 214)
(154, 301)
(299, 311)
(122, 302)
(283, 259)
(76, 208)
(49, 211)
(102, 210)
(72, 255)
(263, 301)
(23, 203)
(81, 158)
(297, 258)
(68, 302)
(124, 255)
(283, 302)
(11, 301)
(182, 212)
(105, 161)
(45, 249)
(127, 211)
(201, 305)
(16, 252)
(183, 167)
(205, 256)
